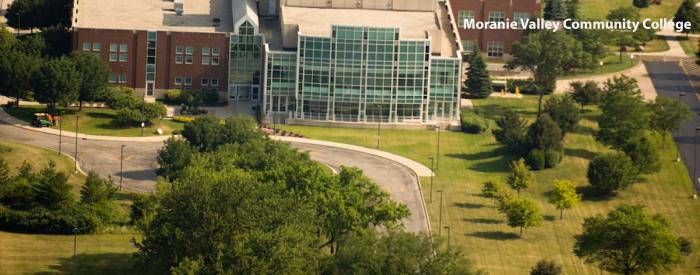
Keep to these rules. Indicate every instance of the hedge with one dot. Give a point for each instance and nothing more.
(44, 221)
(473, 123)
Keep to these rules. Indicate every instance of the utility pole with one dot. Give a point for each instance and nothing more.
(77, 120)
(121, 167)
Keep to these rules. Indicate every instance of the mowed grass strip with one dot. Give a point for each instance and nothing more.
(36, 253)
(599, 9)
(96, 121)
(466, 161)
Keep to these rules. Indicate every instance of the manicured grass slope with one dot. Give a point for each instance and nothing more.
(599, 9)
(96, 121)
(32, 253)
(690, 46)
(466, 161)
(611, 64)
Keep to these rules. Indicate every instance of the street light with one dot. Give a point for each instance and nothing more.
(432, 176)
(695, 161)
(440, 215)
(121, 167)
(379, 124)
(448, 236)
(75, 156)
(60, 131)
(438, 147)
(678, 130)
(75, 241)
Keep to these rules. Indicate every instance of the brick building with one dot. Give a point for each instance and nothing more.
(493, 43)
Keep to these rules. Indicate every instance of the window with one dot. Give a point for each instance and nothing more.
(215, 51)
(215, 82)
(179, 50)
(179, 59)
(122, 57)
(215, 60)
(112, 78)
(205, 82)
(96, 47)
(123, 48)
(495, 49)
(205, 51)
(189, 50)
(205, 60)
(468, 46)
(188, 81)
(188, 59)
(113, 48)
(112, 57)
(117, 52)
(497, 16)
(465, 16)
(122, 78)
(86, 46)
(520, 18)
(178, 81)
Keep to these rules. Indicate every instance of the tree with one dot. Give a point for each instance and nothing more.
(644, 155)
(520, 177)
(544, 53)
(57, 82)
(94, 77)
(396, 252)
(5, 176)
(641, 4)
(241, 129)
(586, 93)
(523, 213)
(624, 38)
(628, 241)
(564, 196)
(572, 7)
(52, 189)
(544, 134)
(564, 111)
(558, 10)
(667, 115)
(688, 12)
(511, 131)
(544, 267)
(16, 72)
(625, 114)
(493, 188)
(30, 14)
(610, 172)
(207, 133)
(174, 157)
(97, 190)
(478, 79)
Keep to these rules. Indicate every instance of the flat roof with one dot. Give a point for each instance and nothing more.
(156, 15)
(317, 21)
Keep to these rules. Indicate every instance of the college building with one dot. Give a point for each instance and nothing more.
(293, 61)
(492, 43)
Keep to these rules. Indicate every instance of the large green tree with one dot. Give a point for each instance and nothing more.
(641, 4)
(30, 14)
(688, 12)
(608, 173)
(511, 131)
(478, 78)
(52, 189)
(643, 154)
(523, 213)
(586, 93)
(629, 241)
(94, 77)
(667, 116)
(625, 114)
(545, 267)
(57, 82)
(544, 134)
(564, 111)
(175, 155)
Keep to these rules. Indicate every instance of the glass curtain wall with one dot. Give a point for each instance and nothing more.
(245, 64)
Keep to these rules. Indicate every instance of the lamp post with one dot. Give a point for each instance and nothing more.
(448, 236)
(19, 26)
(143, 116)
(695, 161)
(75, 156)
(440, 215)
(432, 176)
(121, 167)
(678, 130)
(60, 131)
(379, 124)
(75, 241)
(438, 148)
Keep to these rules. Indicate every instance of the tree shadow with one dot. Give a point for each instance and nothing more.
(584, 130)
(467, 205)
(101, 115)
(581, 153)
(491, 161)
(139, 174)
(495, 111)
(495, 235)
(483, 221)
(549, 218)
(588, 193)
(103, 264)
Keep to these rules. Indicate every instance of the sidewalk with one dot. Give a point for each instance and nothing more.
(638, 72)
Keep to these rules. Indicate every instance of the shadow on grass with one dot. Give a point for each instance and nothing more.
(584, 130)
(495, 111)
(549, 218)
(495, 235)
(101, 115)
(590, 194)
(467, 205)
(499, 159)
(581, 153)
(483, 221)
(103, 264)
(139, 174)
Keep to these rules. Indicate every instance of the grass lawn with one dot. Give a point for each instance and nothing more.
(37, 253)
(611, 64)
(656, 45)
(599, 9)
(690, 46)
(96, 121)
(466, 161)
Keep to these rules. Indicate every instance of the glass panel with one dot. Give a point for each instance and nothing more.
(122, 57)
(123, 48)
(205, 51)
(86, 46)
(96, 47)
(178, 50)
(113, 47)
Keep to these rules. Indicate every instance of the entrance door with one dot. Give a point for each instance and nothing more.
(149, 89)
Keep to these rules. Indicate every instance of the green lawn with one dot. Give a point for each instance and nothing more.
(611, 64)
(466, 161)
(97, 121)
(690, 46)
(36, 253)
(599, 9)
(656, 45)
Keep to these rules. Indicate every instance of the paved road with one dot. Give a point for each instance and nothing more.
(140, 164)
(669, 80)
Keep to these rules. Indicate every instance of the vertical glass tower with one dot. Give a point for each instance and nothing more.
(245, 61)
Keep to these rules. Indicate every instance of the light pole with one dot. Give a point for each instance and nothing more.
(379, 124)
(143, 116)
(75, 241)
(121, 167)
(678, 130)
(438, 148)
(60, 131)
(77, 120)
(19, 26)
(448, 236)
(695, 161)
(432, 176)
(440, 215)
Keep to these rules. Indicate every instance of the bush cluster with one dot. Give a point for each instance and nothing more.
(204, 97)
(43, 221)
(527, 86)
(473, 123)
(131, 110)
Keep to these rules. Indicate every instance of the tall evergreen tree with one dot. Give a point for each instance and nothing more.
(558, 10)
(572, 7)
(641, 4)
(479, 80)
(688, 12)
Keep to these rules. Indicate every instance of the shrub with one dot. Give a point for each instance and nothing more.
(608, 173)
(209, 97)
(120, 98)
(511, 131)
(536, 159)
(43, 221)
(544, 134)
(564, 111)
(183, 119)
(527, 86)
(172, 97)
(552, 158)
(128, 117)
(473, 123)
